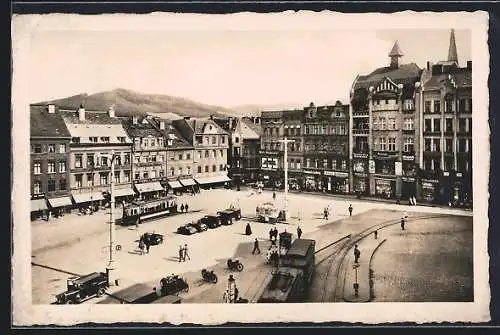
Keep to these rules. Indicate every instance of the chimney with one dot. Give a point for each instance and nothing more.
(162, 125)
(111, 111)
(52, 109)
(230, 123)
(469, 65)
(134, 119)
(428, 66)
(81, 113)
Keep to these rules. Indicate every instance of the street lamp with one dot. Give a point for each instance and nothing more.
(356, 284)
(285, 141)
(92, 188)
(112, 265)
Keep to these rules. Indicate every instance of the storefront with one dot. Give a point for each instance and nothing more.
(312, 181)
(38, 209)
(430, 189)
(151, 190)
(336, 182)
(385, 188)
(361, 183)
(59, 206)
(213, 182)
(174, 187)
(409, 187)
(124, 194)
(189, 185)
(88, 201)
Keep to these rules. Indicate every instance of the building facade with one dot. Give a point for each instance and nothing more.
(292, 130)
(446, 131)
(49, 157)
(211, 144)
(271, 149)
(384, 137)
(95, 137)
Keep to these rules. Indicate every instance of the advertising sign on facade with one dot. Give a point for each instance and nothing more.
(269, 163)
(371, 166)
(398, 168)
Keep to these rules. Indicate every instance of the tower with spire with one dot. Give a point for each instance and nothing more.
(395, 54)
(452, 51)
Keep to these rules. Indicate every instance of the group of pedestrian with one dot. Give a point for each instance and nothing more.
(183, 253)
(144, 244)
(184, 208)
(273, 234)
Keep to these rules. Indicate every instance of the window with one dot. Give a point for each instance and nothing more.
(214, 168)
(104, 178)
(51, 148)
(449, 125)
(214, 153)
(51, 185)
(37, 148)
(62, 167)
(137, 175)
(180, 157)
(126, 175)
(75, 139)
(117, 178)
(121, 139)
(127, 159)
(90, 179)
(449, 106)
(199, 169)
(188, 156)
(62, 148)
(461, 145)
(408, 123)
(160, 142)
(172, 172)
(334, 164)
(427, 164)
(179, 171)
(469, 126)
(162, 173)
(382, 144)
(37, 187)
(298, 165)
(237, 139)
(153, 142)
(308, 162)
(137, 159)
(408, 104)
(90, 160)
(93, 139)
(469, 145)
(392, 123)
(344, 164)
(382, 123)
(449, 145)
(325, 163)
(448, 164)
(428, 125)
(214, 140)
(222, 153)
(315, 163)
(437, 164)
(188, 170)
(206, 154)
(408, 144)
(199, 139)
(104, 160)
(468, 105)
(51, 167)
(461, 125)
(427, 108)
(436, 144)
(206, 168)
(105, 139)
(78, 161)
(437, 125)
(145, 175)
(392, 144)
(145, 142)
(221, 167)
(37, 168)
(118, 160)
(78, 181)
(375, 124)
(437, 106)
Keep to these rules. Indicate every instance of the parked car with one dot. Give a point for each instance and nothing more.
(173, 284)
(230, 215)
(80, 288)
(153, 238)
(198, 226)
(186, 230)
(212, 221)
(135, 294)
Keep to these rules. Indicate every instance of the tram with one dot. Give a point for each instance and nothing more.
(140, 211)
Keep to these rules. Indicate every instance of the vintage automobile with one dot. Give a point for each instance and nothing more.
(212, 221)
(198, 226)
(80, 288)
(229, 215)
(173, 284)
(152, 238)
(136, 294)
(269, 212)
(186, 230)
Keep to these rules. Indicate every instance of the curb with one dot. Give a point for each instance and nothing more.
(370, 270)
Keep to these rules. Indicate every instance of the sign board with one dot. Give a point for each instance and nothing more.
(336, 174)
(371, 166)
(398, 168)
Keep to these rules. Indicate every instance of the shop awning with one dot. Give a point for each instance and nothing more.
(38, 205)
(187, 182)
(149, 187)
(212, 180)
(87, 197)
(124, 192)
(174, 184)
(59, 202)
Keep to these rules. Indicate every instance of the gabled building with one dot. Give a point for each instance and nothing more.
(97, 137)
(271, 149)
(211, 144)
(292, 130)
(49, 162)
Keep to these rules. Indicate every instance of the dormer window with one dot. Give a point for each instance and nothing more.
(105, 139)
(93, 139)
(121, 139)
(169, 142)
(75, 139)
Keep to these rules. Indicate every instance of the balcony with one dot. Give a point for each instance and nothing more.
(144, 164)
(428, 153)
(360, 132)
(432, 133)
(361, 113)
(408, 110)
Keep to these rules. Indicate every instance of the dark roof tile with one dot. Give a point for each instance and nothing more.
(45, 124)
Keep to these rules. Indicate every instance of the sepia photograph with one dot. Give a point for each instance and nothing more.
(287, 167)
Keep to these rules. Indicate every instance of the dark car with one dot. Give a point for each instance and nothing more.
(230, 215)
(152, 238)
(186, 230)
(198, 226)
(173, 284)
(212, 221)
(80, 288)
(135, 294)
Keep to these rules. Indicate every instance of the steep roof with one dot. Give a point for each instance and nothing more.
(396, 51)
(246, 130)
(45, 124)
(143, 127)
(461, 77)
(171, 133)
(198, 125)
(452, 51)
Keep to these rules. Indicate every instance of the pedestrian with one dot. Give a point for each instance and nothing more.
(299, 232)
(182, 208)
(357, 254)
(350, 209)
(375, 233)
(231, 289)
(146, 242)
(274, 195)
(186, 207)
(271, 234)
(181, 253)
(141, 245)
(186, 253)
(248, 229)
(327, 212)
(402, 223)
(256, 247)
(324, 213)
(275, 233)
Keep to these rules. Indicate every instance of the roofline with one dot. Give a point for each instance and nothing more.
(50, 137)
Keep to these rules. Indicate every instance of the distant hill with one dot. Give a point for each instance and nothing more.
(127, 102)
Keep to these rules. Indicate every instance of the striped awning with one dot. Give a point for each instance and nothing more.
(149, 187)
(123, 192)
(59, 202)
(87, 197)
(174, 184)
(38, 205)
(212, 180)
(187, 182)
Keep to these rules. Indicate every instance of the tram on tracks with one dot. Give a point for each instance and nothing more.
(139, 211)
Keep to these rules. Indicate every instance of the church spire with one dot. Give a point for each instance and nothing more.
(395, 54)
(452, 51)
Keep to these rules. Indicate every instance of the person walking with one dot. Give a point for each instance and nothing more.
(375, 233)
(186, 254)
(248, 230)
(357, 254)
(181, 253)
(402, 223)
(186, 207)
(274, 195)
(350, 209)
(146, 242)
(271, 234)
(299, 231)
(182, 208)
(141, 245)
(325, 215)
(255, 247)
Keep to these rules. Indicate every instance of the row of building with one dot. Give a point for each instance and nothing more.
(406, 132)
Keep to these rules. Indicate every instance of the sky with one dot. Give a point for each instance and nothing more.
(224, 67)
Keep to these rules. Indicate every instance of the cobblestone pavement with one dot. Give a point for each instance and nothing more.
(79, 243)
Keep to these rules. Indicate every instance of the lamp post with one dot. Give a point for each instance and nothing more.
(112, 265)
(285, 141)
(92, 188)
(356, 284)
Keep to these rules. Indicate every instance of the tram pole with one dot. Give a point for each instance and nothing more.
(285, 141)
(111, 269)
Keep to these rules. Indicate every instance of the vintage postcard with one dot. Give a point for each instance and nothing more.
(287, 167)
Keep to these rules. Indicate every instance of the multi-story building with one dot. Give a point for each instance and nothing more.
(271, 149)
(49, 140)
(211, 144)
(179, 159)
(326, 148)
(446, 130)
(292, 130)
(385, 129)
(149, 156)
(96, 138)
